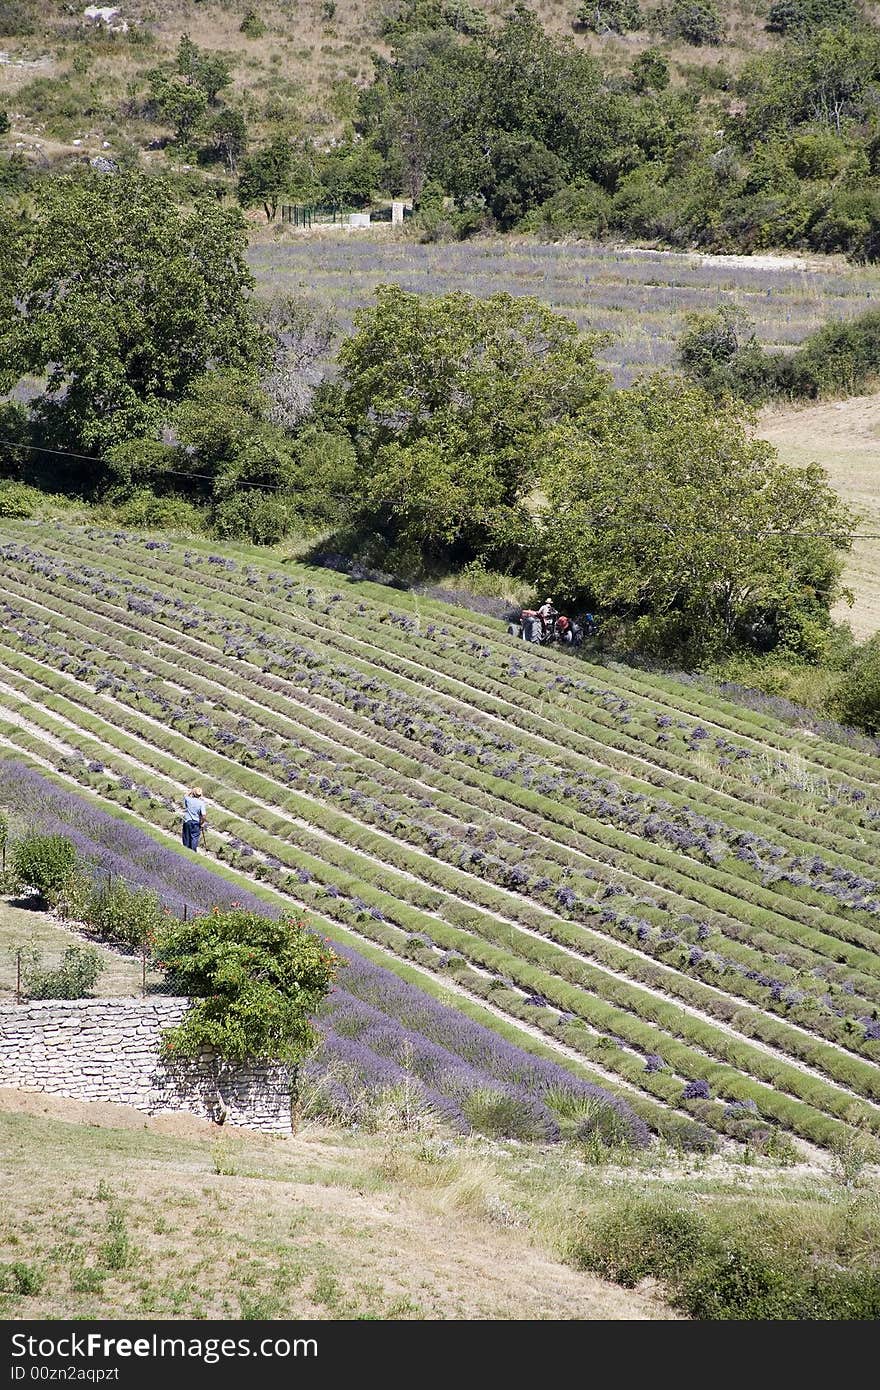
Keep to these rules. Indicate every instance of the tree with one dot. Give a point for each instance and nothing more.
(857, 700)
(610, 16)
(227, 134)
(522, 173)
(650, 71)
(265, 174)
(210, 71)
(4, 123)
(719, 351)
(180, 104)
(123, 300)
(695, 21)
(663, 510)
(802, 16)
(258, 982)
(448, 398)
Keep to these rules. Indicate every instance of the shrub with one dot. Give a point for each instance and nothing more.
(252, 25)
(20, 1278)
(74, 978)
(857, 700)
(18, 501)
(257, 979)
(753, 1271)
(610, 16)
(144, 510)
(45, 863)
(131, 916)
(695, 21)
(801, 16)
(503, 1116)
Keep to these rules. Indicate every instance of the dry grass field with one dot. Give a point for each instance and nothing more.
(115, 1215)
(844, 436)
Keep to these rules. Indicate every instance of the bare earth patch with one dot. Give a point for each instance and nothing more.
(844, 436)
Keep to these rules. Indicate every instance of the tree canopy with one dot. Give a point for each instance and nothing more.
(667, 512)
(448, 398)
(123, 300)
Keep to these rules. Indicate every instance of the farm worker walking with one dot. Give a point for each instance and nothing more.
(195, 815)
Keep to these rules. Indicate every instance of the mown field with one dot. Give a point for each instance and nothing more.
(677, 896)
(638, 297)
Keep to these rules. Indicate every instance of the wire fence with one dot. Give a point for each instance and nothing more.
(41, 969)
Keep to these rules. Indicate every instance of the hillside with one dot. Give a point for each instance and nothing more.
(62, 82)
(72, 89)
(129, 1217)
(677, 896)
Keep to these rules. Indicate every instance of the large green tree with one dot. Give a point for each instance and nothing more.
(666, 511)
(123, 301)
(449, 398)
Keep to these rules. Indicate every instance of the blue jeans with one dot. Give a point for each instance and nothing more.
(191, 833)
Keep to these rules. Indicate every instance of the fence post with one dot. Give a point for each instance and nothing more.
(184, 912)
(143, 969)
(18, 976)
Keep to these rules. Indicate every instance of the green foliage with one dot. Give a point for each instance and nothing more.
(447, 397)
(522, 174)
(74, 978)
(582, 209)
(349, 175)
(118, 913)
(180, 104)
(146, 511)
(117, 1251)
(258, 981)
(4, 123)
(16, 19)
(624, 525)
(208, 71)
(501, 1116)
(802, 16)
(650, 71)
(44, 862)
(695, 21)
(610, 16)
(719, 351)
(265, 175)
(857, 699)
(17, 501)
(226, 137)
(21, 1279)
(252, 26)
(714, 1265)
(123, 300)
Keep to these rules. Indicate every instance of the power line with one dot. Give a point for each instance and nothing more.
(646, 524)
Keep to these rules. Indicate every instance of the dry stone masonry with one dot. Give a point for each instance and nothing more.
(109, 1049)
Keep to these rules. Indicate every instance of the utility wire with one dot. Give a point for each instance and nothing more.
(646, 524)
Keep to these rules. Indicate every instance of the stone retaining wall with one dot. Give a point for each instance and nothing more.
(108, 1049)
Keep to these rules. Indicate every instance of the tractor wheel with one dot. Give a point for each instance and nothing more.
(514, 630)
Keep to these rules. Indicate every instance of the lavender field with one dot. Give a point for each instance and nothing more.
(639, 297)
(677, 897)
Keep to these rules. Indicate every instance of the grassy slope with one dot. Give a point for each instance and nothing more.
(325, 1225)
(844, 437)
(300, 71)
(118, 1215)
